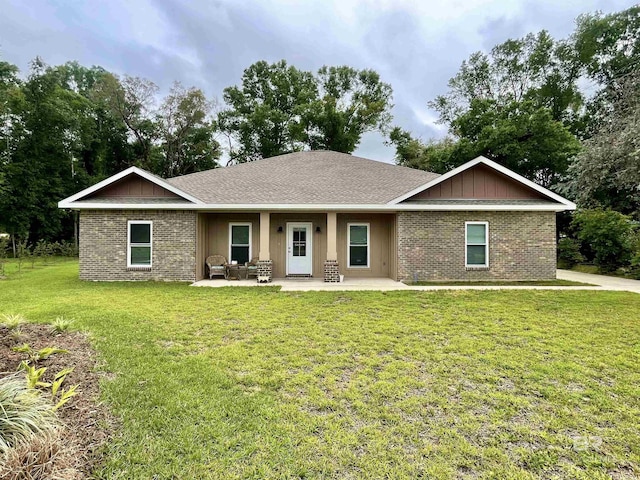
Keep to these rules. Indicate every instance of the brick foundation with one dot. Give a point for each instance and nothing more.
(431, 246)
(103, 245)
(331, 271)
(265, 271)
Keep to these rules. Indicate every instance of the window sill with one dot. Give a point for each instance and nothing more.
(140, 268)
(479, 267)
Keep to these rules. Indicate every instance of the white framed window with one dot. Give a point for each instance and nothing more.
(358, 245)
(139, 243)
(476, 252)
(240, 242)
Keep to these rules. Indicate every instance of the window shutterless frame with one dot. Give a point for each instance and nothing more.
(231, 244)
(485, 244)
(368, 245)
(149, 245)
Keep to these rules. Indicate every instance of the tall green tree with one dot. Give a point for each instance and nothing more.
(607, 172)
(535, 68)
(350, 103)
(131, 100)
(263, 117)
(187, 133)
(280, 109)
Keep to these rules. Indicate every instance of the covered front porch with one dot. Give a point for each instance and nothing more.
(326, 247)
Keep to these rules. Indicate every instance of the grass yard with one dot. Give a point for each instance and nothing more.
(253, 383)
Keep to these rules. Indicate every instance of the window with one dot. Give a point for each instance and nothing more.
(139, 242)
(358, 245)
(299, 241)
(240, 242)
(477, 244)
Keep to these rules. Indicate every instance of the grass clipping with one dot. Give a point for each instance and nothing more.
(32, 446)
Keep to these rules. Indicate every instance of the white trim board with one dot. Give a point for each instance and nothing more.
(265, 207)
(496, 166)
(67, 202)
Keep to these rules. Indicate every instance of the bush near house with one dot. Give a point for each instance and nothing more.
(606, 238)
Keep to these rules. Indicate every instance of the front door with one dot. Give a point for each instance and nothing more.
(299, 249)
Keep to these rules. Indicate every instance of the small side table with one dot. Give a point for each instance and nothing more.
(235, 271)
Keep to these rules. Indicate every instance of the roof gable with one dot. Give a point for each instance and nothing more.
(133, 186)
(130, 184)
(481, 179)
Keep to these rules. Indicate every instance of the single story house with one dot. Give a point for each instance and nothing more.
(321, 214)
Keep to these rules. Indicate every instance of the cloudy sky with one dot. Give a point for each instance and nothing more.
(416, 46)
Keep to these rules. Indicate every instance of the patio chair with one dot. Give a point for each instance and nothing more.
(217, 265)
(252, 267)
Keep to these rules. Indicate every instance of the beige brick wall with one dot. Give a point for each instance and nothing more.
(103, 245)
(431, 245)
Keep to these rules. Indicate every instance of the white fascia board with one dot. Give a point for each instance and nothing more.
(490, 163)
(118, 176)
(315, 207)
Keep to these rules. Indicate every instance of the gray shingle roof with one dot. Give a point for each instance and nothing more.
(315, 177)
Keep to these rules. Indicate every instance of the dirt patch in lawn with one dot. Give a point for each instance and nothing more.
(87, 423)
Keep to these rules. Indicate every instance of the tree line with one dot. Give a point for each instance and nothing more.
(561, 112)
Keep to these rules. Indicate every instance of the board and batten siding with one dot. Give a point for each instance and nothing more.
(479, 183)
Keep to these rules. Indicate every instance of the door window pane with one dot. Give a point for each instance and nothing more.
(299, 242)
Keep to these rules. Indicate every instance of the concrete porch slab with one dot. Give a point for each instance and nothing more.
(311, 284)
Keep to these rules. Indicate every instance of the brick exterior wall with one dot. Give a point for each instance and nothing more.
(431, 246)
(103, 245)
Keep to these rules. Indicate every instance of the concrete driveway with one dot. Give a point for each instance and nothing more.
(605, 281)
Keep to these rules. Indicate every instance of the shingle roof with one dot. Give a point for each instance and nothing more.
(315, 177)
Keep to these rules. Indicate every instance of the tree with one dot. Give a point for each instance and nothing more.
(280, 109)
(608, 45)
(131, 101)
(187, 133)
(350, 103)
(433, 156)
(263, 117)
(607, 172)
(535, 68)
(606, 235)
(518, 135)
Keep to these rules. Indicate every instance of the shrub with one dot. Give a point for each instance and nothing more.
(569, 253)
(34, 356)
(60, 325)
(12, 321)
(43, 457)
(23, 413)
(607, 235)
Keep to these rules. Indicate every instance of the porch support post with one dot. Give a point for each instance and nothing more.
(331, 267)
(264, 235)
(265, 264)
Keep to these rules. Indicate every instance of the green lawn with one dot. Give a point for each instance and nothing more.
(516, 283)
(254, 383)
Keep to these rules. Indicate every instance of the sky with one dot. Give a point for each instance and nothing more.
(416, 46)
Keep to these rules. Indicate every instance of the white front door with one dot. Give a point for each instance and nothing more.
(299, 248)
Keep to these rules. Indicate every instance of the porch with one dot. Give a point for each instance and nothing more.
(322, 247)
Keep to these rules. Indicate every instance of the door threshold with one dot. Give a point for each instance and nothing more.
(298, 276)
